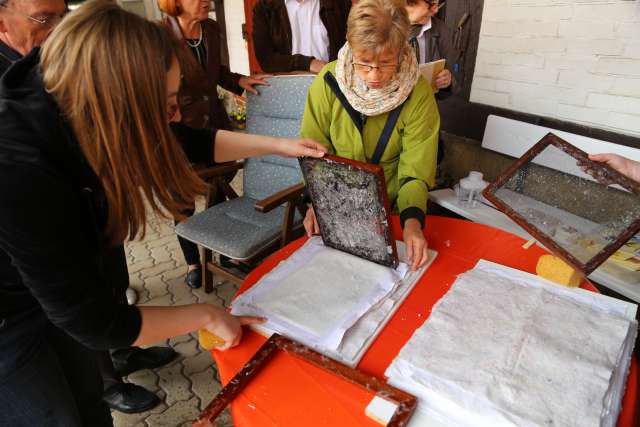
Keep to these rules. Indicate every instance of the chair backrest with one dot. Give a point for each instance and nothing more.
(277, 111)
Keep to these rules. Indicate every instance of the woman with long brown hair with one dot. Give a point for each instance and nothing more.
(85, 145)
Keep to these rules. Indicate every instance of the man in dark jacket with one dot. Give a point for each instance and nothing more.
(432, 39)
(298, 35)
(25, 24)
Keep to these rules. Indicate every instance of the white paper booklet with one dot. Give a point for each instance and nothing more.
(507, 348)
(329, 300)
(430, 70)
(318, 293)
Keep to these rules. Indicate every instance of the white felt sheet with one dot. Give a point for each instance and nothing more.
(318, 293)
(506, 348)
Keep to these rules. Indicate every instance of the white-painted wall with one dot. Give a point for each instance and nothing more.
(145, 8)
(575, 60)
(238, 50)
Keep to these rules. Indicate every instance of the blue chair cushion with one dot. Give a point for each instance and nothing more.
(234, 228)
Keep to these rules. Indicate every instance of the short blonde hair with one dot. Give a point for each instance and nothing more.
(378, 26)
(170, 7)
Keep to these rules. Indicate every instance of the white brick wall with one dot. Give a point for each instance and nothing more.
(575, 60)
(238, 50)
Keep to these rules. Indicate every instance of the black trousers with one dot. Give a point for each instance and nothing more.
(59, 385)
(189, 249)
(117, 273)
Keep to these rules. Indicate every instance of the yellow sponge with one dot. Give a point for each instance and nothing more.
(555, 269)
(208, 340)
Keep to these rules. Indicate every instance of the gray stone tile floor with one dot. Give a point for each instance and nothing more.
(157, 270)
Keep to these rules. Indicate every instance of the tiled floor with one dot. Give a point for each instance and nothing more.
(187, 385)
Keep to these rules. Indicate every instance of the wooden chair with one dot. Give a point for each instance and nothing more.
(269, 213)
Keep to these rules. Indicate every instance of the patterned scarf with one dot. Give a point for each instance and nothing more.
(372, 102)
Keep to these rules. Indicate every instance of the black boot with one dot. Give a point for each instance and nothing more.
(194, 278)
(129, 398)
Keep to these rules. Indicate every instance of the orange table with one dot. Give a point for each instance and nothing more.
(291, 392)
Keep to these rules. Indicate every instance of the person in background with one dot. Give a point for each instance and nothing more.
(25, 24)
(84, 129)
(373, 85)
(198, 100)
(298, 35)
(431, 38)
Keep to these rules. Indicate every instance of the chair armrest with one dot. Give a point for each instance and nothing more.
(219, 170)
(272, 202)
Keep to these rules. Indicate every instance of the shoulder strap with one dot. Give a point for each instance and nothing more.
(392, 119)
(390, 124)
(355, 116)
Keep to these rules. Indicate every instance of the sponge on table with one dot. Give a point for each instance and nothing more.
(556, 270)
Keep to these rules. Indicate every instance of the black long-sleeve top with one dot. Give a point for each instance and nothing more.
(52, 214)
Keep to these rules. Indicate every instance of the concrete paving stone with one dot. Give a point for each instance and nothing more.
(205, 386)
(175, 276)
(166, 229)
(157, 269)
(182, 413)
(164, 300)
(160, 254)
(145, 378)
(135, 280)
(162, 241)
(138, 266)
(177, 256)
(209, 299)
(197, 363)
(150, 235)
(174, 383)
(205, 298)
(155, 286)
(182, 294)
(143, 296)
(187, 348)
(139, 252)
(226, 292)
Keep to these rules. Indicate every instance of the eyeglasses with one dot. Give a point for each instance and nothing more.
(44, 20)
(366, 68)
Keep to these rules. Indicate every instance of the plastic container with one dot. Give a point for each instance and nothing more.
(469, 189)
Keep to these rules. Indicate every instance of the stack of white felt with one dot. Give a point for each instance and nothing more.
(506, 348)
(318, 293)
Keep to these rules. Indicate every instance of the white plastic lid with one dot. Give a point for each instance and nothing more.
(473, 182)
(475, 176)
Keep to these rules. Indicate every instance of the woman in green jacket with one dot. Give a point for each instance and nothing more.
(375, 84)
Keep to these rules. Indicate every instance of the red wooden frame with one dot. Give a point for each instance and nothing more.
(307, 164)
(603, 171)
(406, 403)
